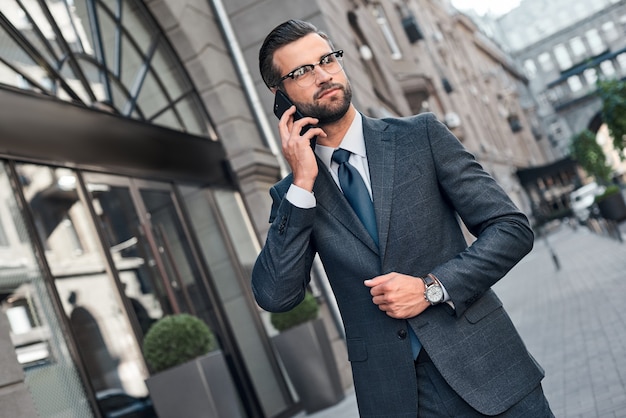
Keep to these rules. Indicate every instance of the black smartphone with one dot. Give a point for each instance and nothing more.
(281, 104)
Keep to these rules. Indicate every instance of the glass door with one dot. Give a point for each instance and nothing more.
(149, 248)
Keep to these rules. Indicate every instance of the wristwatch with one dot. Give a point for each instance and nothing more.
(433, 292)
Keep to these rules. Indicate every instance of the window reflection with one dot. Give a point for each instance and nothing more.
(40, 347)
(133, 259)
(90, 298)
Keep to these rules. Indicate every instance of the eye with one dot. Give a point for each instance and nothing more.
(302, 71)
(328, 59)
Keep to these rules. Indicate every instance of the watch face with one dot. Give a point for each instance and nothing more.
(434, 294)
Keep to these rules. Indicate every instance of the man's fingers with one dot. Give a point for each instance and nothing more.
(373, 282)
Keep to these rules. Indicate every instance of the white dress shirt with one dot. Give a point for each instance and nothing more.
(354, 142)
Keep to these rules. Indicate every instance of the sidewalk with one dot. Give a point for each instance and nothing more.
(573, 321)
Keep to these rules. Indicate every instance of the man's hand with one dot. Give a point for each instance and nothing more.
(399, 295)
(297, 149)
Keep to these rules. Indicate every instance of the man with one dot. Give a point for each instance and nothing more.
(408, 284)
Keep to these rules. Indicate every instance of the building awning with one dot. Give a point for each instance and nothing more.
(43, 129)
(531, 174)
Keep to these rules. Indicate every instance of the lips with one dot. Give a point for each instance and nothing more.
(326, 93)
(328, 90)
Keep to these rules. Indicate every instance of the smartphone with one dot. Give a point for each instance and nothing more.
(281, 104)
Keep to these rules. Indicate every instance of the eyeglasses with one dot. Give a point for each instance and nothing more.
(304, 76)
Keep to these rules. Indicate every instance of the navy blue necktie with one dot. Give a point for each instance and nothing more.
(355, 191)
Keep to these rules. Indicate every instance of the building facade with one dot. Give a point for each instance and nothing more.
(137, 146)
(563, 61)
(564, 49)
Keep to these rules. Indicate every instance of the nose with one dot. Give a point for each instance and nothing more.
(321, 75)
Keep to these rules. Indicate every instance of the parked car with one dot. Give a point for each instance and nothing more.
(583, 198)
(115, 403)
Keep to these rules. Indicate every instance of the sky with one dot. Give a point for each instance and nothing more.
(497, 7)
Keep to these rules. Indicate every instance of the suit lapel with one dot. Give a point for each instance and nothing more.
(329, 196)
(381, 158)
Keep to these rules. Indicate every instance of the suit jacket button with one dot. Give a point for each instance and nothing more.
(402, 334)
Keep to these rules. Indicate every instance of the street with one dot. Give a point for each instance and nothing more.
(572, 319)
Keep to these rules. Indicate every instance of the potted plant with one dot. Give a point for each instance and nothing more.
(611, 204)
(305, 350)
(589, 154)
(191, 378)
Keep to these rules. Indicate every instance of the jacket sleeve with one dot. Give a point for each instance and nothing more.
(502, 231)
(282, 269)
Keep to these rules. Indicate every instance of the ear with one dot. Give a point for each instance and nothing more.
(273, 89)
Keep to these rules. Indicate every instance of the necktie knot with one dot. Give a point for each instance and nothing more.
(341, 155)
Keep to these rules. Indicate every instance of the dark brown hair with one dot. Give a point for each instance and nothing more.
(283, 34)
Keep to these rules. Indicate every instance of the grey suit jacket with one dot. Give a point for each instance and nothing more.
(422, 177)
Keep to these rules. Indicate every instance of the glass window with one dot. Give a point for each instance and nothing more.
(591, 76)
(381, 18)
(595, 41)
(578, 46)
(621, 60)
(135, 71)
(607, 68)
(545, 61)
(610, 31)
(574, 83)
(35, 331)
(151, 96)
(144, 31)
(562, 57)
(187, 107)
(530, 68)
(90, 298)
(19, 66)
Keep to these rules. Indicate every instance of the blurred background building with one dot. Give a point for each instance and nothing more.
(563, 49)
(137, 147)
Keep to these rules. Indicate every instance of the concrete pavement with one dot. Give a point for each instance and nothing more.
(573, 321)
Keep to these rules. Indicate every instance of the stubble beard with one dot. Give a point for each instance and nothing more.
(333, 111)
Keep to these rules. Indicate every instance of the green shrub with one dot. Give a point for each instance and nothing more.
(584, 148)
(613, 96)
(609, 191)
(176, 339)
(307, 310)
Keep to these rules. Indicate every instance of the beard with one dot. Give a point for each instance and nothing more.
(332, 111)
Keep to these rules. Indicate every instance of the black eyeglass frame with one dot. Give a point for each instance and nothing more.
(338, 56)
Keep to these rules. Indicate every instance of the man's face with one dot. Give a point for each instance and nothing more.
(328, 98)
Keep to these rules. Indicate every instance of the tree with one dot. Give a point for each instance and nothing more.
(585, 149)
(613, 95)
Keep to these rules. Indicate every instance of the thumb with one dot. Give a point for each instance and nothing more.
(375, 281)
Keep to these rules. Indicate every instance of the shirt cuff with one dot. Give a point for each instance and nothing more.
(301, 198)
(446, 296)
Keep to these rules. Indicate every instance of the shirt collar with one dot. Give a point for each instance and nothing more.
(353, 141)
